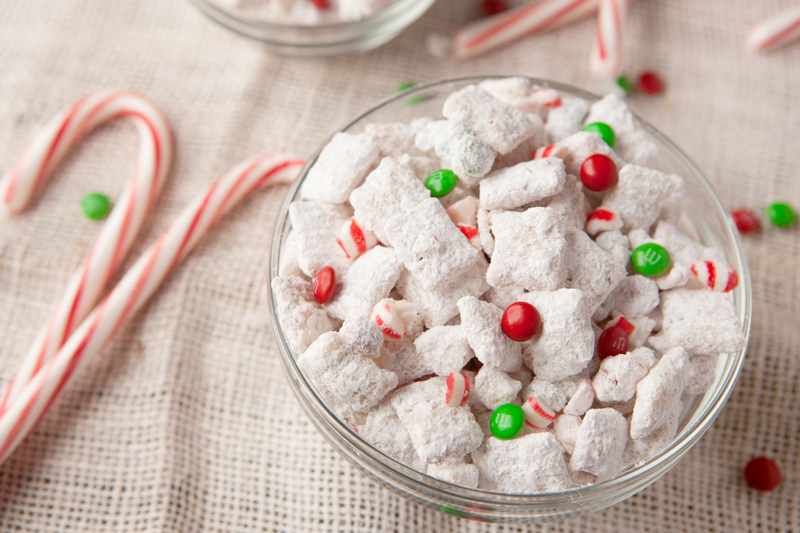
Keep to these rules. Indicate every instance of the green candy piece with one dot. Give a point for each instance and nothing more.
(625, 83)
(781, 214)
(95, 205)
(651, 259)
(452, 511)
(441, 182)
(507, 421)
(405, 86)
(414, 101)
(603, 130)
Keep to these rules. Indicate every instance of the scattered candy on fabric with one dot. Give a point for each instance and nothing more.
(762, 474)
(781, 214)
(606, 56)
(650, 83)
(95, 205)
(776, 30)
(746, 221)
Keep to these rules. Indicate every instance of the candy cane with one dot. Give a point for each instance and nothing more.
(48, 148)
(606, 58)
(138, 284)
(491, 32)
(776, 30)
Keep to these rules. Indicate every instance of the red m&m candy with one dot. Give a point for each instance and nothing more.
(598, 173)
(324, 284)
(521, 321)
(613, 341)
(650, 83)
(493, 7)
(762, 474)
(746, 221)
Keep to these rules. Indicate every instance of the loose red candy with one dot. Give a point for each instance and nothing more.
(324, 284)
(521, 321)
(493, 7)
(613, 341)
(745, 220)
(650, 83)
(598, 173)
(321, 4)
(762, 473)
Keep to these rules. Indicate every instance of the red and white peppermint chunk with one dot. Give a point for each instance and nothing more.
(719, 277)
(393, 317)
(550, 151)
(355, 239)
(537, 414)
(464, 211)
(602, 220)
(471, 233)
(457, 390)
(622, 322)
(547, 97)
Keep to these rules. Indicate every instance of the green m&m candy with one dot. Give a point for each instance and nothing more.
(625, 84)
(507, 421)
(650, 259)
(603, 130)
(95, 205)
(441, 182)
(781, 214)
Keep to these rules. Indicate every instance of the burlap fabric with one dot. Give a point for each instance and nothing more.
(185, 423)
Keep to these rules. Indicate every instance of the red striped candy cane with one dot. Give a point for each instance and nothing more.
(48, 148)
(606, 58)
(491, 32)
(776, 30)
(133, 290)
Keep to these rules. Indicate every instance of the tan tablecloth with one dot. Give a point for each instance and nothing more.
(185, 423)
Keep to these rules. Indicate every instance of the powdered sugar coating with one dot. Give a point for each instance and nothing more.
(659, 393)
(494, 388)
(384, 430)
(369, 280)
(523, 183)
(457, 473)
(638, 196)
(600, 444)
(363, 334)
(590, 268)
(583, 144)
(458, 146)
(632, 143)
(316, 226)
(618, 375)
(565, 119)
(492, 347)
(445, 349)
(341, 167)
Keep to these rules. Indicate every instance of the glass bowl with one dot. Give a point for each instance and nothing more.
(324, 39)
(707, 219)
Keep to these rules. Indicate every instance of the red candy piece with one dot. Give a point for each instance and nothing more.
(762, 473)
(321, 4)
(457, 390)
(493, 7)
(650, 83)
(598, 173)
(521, 321)
(324, 284)
(613, 341)
(745, 220)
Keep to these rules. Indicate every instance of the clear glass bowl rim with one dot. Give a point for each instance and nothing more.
(592, 497)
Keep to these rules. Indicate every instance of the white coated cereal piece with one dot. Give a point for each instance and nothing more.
(354, 239)
(551, 395)
(474, 404)
(600, 444)
(701, 321)
(439, 433)
(345, 372)
(591, 269)
(583, 144)
(524, 465)
(616, 244)
(458, 146)
(401, 357)
(638, 196)
(363, 334)
(567, 428)
(672, 210)
(393, 139)
(291, 291)
(523, 183)
(316, 226)
(682, 248)
(569, 385)
(522, 153)
(457, 473)
(440, 304)
(493, 387)
(485, 231)
(640, 450)
(571, 202)
(632, 142)
(394, 318)
(657, 393)
(524, 376)
(565, 343)
(618, 375)
(341, 167)
(565, 119)
(701, 374)
(515, 91)
(636, 296)
(581, 400)
(369, 280)
(503, 297)
(492, 347)
(432, 248)
(287, 261)
(445, 349)
(390, 189)
(464, 211)
(421, 165)
(385, 431)
(529, 251)
(300, 317)
(501, 125)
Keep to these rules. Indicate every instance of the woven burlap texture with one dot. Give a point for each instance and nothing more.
(185, 423)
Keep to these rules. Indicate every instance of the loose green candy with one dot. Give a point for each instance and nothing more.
(441, 182)
(603, 130)
(95, 205)
(414, 101)
(507, 421)
(650, 259)
(625, 83)
(405, 86)
(781, 214)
